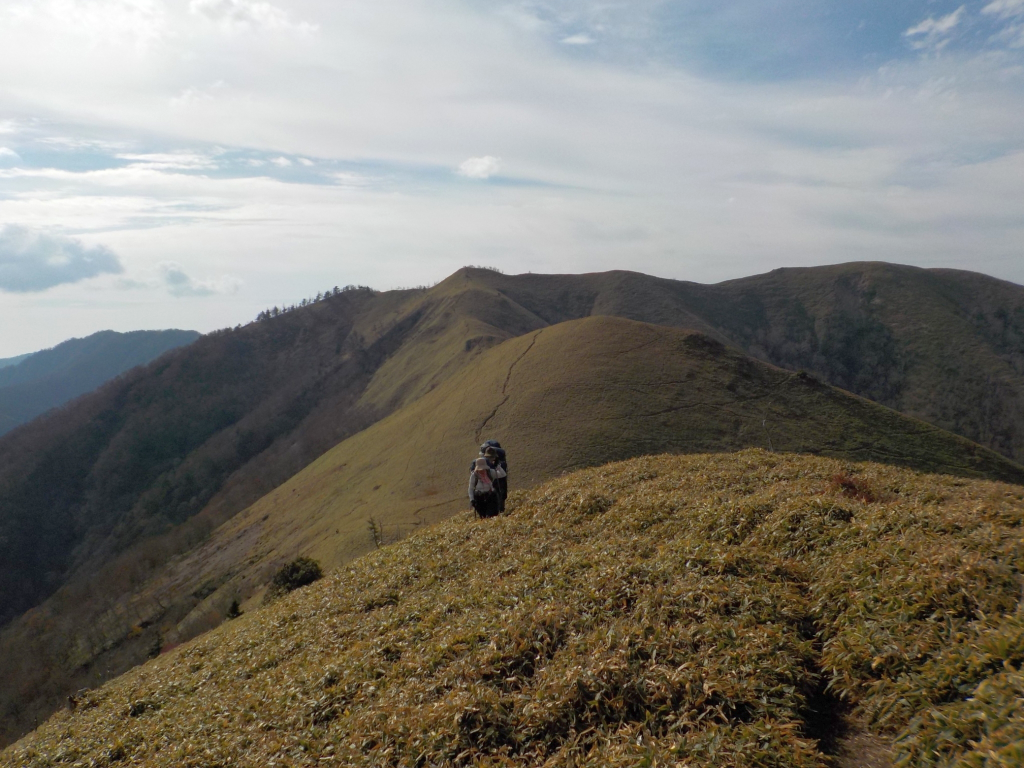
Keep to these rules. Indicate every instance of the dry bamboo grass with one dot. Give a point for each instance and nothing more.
(661, 611)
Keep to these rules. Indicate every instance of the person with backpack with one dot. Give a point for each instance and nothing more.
(501, 484)
(483, 495)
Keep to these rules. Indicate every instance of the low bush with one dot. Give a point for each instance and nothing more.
(298, 573)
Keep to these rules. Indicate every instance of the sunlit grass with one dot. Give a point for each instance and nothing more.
(661, 611)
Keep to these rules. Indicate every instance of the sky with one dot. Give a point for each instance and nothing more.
(188, 163)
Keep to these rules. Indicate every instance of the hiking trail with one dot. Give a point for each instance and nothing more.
(504, 387)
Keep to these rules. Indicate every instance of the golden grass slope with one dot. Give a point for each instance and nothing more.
(284, 391)
(453, 323)
(945, 346)
(577, 394)
(703, 610)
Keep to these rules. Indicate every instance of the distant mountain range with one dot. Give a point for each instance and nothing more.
(8, 361)
(119, 514)
(33, 384)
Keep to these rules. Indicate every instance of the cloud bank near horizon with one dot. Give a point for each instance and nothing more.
(178, 283)
(33, 261)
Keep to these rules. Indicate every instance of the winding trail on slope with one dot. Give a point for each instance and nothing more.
(504, 387)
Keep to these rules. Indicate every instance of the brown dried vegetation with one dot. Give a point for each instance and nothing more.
(848, 485)
(703, 610)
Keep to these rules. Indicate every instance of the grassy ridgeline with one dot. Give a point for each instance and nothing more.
(748, 609)
(577, 394)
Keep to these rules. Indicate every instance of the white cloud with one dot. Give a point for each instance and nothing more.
(6, 153)
(934, 33)
(348, 179)
(578, 39)
(33, 260)
(306, 162)
(281, 162)
(192, 96)
(72, 143)
(1013, 33)
(1004, 9)
(480, 167)
(165, 161)
(1013, 36)
(135, 23)
(253, 13)
(178, 283)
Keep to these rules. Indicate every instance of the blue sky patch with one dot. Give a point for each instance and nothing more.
(788, 39)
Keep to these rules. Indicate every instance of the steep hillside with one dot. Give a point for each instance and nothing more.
(97, 498)
(945, 346)
(728, 610)
(35, 383)
(210, 428)
(146, 451)
(107, 505)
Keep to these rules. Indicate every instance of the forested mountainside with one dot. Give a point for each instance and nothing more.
(148, 450)
(33, 384)
(139, 473)
(746, 609)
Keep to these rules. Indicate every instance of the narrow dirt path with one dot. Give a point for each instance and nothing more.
(504, 387)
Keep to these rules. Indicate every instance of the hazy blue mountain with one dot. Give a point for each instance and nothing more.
(33, 384)
(9, 361)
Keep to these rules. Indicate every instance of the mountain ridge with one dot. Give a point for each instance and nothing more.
(576, 394)
(876, 329)
(150, 467)
(697, 396)
(8, 361)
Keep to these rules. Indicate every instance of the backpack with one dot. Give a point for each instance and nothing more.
(497, 449)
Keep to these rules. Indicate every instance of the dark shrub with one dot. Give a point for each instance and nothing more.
(298, 573)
